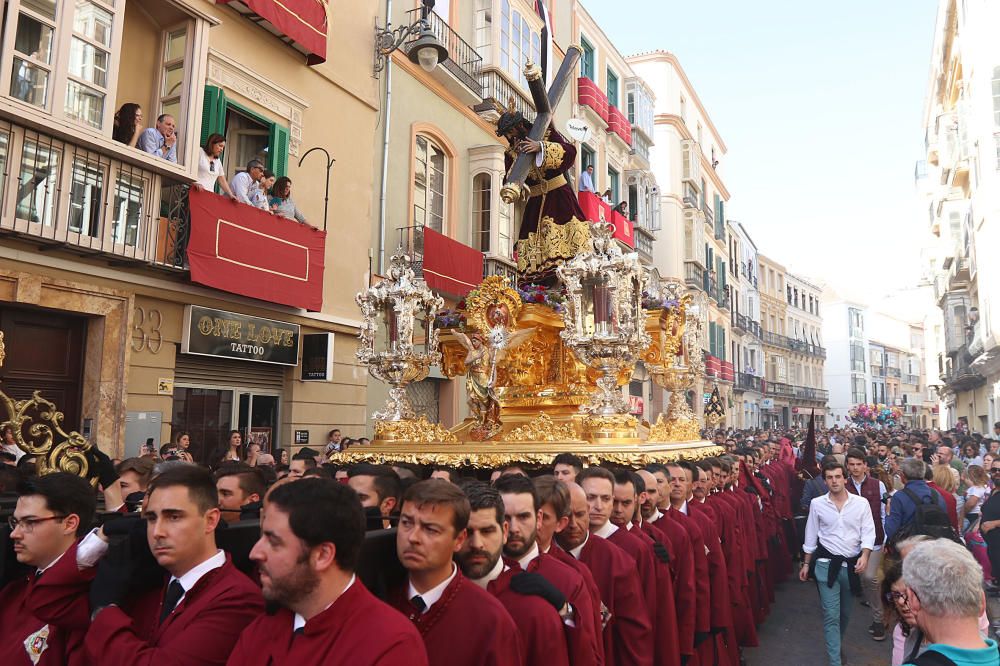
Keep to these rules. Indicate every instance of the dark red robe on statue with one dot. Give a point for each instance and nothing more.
(467, 626)
(357, 630)
(628, 636)
(537, 621)
(584, 638)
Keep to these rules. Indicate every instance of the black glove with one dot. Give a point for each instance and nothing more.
(534, 584)
(101, 466)
(145, 573)
(114, 573)
(661, 552)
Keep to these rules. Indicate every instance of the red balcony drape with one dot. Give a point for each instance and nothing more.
(302, 21)
(451, 266)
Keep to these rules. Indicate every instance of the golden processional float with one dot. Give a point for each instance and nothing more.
(542, 378)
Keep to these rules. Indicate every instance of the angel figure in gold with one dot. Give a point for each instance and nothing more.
(484, 354)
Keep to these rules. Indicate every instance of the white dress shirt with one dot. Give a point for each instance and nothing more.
(844, 532)
(191, 578)
(498, 569)
(298, 621)
(529, 557)
(575, 552)
(606, 530)
(432, 595)
(244, 188)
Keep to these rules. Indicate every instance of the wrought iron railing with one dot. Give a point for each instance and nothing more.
(500, 266)
(749, 382)
(497, 88)
(463, 59)
(693, 274)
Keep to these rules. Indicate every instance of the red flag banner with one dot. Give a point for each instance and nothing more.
(302, 21)
(451, 266)
(243, 250)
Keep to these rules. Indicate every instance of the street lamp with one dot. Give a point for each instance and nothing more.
(427, 51)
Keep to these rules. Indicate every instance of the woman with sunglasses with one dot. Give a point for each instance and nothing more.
(905, 635)
(210, 168)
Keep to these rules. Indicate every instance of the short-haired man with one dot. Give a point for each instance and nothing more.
(522, 514)
(377, 487)
(628, 638)
(566, 466)
(301, 463)
(160, 140)
(944, 593)
(446, 473)
(308, 551)
(198, 616)
(245, 184)
(133, 479)
(587, 180)
(536, 606)
(915, 490)
(241, 491)
(51, 515)
(461, 624)
(840, 535)
(873, 491)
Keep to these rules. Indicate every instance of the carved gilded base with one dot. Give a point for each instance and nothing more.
(674, 430)
(411, 430)
(614, 428)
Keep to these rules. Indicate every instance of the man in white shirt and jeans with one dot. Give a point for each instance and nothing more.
(840, 535)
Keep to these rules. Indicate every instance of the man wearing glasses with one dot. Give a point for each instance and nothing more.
(52, 513)
(989, 517)
(245, 184)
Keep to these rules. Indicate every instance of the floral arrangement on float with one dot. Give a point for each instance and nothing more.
(651, 302)
(531, 294)
(875, 414)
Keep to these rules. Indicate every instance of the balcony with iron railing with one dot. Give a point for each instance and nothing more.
(800, 346)
(693, 275)
(464, 62)
(894, 372)
(493, 265)
(690, 198)
(497, 89)
(749, 382)
(913, 380)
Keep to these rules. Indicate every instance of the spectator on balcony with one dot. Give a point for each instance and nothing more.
(606, 197)
(128, 124)
(587, 180)
(622, 209)
(282, 203)
(162, 139)
(261, 200)
(210, 168)
(245, 185)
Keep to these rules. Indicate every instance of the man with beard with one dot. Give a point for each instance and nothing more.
(311, 538)
(682, 562)
(628, 636)
(663, 612)
(461, 624)
(522, 514)
(538, 608)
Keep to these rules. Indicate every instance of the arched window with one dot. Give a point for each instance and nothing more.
(429, 184)
(482, 189)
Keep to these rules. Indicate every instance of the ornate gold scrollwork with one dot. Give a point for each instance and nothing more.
(38, 431)
(542, 429)
(412, 430)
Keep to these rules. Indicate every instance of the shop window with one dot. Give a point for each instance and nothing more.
(481, 196)
(249, 135)
(429, 171)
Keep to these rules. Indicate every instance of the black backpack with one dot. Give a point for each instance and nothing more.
(927, 513)
(932, 658)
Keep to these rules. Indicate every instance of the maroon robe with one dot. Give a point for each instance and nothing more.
(202, 629)
(702, 585)
(537, 621)
(628, 639)
(55, 645)
(731, 536)
(660, 598)
(467, 626)
(357, 630)
(685, 597)
(584, 638)
(721, 648)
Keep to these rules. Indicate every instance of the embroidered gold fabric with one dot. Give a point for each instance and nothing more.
(551, 244)
(554, 155)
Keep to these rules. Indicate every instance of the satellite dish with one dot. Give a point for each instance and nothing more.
(578, 129)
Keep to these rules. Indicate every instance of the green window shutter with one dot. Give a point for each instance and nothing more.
(722, 343)
(213, 117)
(277, 154)
(711, 338)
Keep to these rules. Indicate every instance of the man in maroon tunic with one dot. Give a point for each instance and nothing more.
(311, 537)
(553, 226)
(663, 612)
(536, 605)
(521, 511)
(461, 624)
(198, 615)
(628, 634)
(51, 513)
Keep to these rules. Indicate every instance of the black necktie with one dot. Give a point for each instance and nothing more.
(418, 603)
(174, 593)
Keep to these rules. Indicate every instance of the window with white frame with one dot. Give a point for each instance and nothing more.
(172, 73)
(429, 171)
(518, 43)
(482, 25)
(482, 194)
(59, 56)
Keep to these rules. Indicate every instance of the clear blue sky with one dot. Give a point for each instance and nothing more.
(820, 105)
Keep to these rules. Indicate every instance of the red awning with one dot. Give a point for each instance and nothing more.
(450, 266)
(243, 250)
(300, 23)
